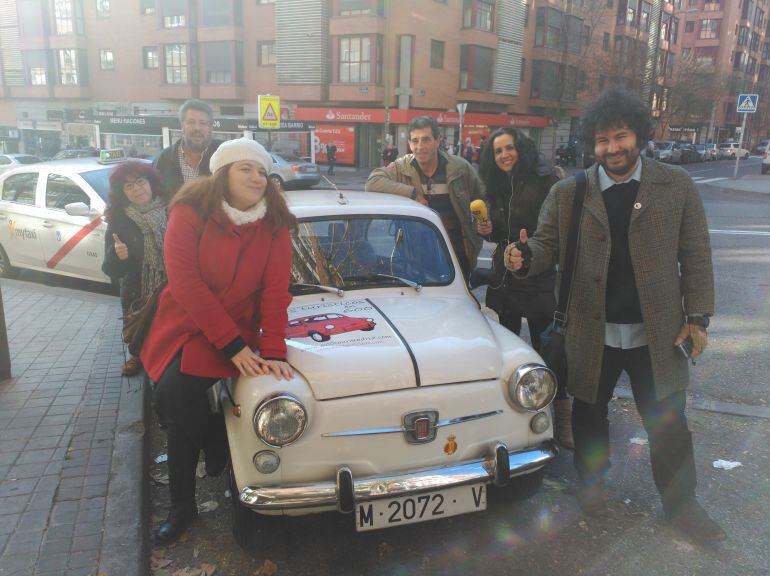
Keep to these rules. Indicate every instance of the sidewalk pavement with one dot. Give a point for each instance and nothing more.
(72, 439)
(755, 183)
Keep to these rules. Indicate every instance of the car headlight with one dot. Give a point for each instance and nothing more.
(280, 420)
(532, 386)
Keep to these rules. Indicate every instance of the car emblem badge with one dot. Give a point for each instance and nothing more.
(420, 427)
(451, 446)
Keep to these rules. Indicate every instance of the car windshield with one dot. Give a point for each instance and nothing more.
(664, 145)
(99, 180)
(367, 252)
(725, 146)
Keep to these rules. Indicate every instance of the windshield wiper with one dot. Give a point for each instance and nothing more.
(332, 289)
(377, 275)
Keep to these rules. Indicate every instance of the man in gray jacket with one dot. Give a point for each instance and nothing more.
(643, 284)
(448, 184)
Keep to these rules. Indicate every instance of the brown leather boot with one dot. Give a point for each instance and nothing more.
(562, 426)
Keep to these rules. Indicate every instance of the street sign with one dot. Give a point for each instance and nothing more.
(269, 106)
(747, 103)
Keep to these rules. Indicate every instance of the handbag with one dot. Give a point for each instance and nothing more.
(552, 340)
(138, 319)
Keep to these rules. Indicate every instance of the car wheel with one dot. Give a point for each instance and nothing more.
(746, 157)
(765, 169)
(318, 337)
(367, 329)
(252, 531)
(6, 270)
(520, 488)
(276, 180)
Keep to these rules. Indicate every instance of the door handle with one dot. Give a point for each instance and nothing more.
(47, 224)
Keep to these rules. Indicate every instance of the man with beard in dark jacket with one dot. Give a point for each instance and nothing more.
(188, 158)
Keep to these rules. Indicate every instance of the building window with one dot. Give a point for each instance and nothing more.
(176, 63)
(173, 13)
(766, 51)
(606, 42)
(644, 22)
(709, 29)
(103, 8)
(436, 54)
(266, 54)
(355, 60)
(150, 57)
(527, 9)
(523, 68)
(106, 60)
(706, 55)
(689, 26)
(754, 46)
(475, 67)
(360, 7)
(36, 66)
(68, 17)
(217, 13)
(712, 5)
(479, 14)
(147, 7)
(553, 28)
(68, 67)
(217, 58)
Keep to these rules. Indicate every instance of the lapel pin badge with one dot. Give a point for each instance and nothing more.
(637, 205)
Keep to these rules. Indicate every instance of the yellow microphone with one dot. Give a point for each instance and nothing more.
(479, 211)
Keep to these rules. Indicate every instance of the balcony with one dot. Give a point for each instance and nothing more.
(356, 25)
(477, 38)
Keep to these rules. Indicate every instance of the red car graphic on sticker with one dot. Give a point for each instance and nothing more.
(321, 327)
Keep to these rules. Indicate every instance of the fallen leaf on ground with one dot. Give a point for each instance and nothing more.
(208, 506)
(554, 485)
(208, 569)
(195, 552)
(159, 552)
(159, 478)
(158, 563)
(269, 568)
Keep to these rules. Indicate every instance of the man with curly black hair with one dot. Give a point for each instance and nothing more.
(642, 286)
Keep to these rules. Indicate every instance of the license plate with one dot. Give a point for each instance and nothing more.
(420, 507)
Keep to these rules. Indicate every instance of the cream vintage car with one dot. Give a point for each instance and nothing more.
(414, 403)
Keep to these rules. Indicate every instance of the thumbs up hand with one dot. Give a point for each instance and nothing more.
(121, 250)
(516, 252)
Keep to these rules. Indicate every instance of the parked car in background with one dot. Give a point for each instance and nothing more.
(701, 150)
(294, 172)
(688, 153)
(712, 152)
(761, 147)
(665, 151)
(733, 150)
(766, 162)
(70, 153)
(53, 215)
(416, 405)
(11, 161)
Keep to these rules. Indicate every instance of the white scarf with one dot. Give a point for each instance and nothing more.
(241, 217)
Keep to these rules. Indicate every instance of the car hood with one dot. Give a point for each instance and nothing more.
(415, 341)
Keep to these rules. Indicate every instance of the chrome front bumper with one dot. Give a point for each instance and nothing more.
(347, 491)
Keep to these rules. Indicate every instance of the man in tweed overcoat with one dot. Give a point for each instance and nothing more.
(643, 283)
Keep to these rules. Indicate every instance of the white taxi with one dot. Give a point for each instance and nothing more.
(51, 217)
(409, 404)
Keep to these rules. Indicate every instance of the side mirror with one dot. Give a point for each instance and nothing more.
(77, 209)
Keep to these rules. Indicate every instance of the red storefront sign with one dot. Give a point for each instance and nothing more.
(343, 137)
(398, 116)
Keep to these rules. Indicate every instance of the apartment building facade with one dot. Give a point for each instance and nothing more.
(112, 73)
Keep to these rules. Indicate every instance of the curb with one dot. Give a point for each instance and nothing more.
(125, 544)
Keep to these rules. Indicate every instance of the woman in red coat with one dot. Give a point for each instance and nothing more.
(223, 313)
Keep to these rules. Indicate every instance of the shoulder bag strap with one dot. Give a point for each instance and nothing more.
(560, 315)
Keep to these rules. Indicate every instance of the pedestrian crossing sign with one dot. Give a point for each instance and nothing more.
(748, 103)
(268, 112)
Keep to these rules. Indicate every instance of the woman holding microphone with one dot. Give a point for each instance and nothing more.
(223, 313)
(517, 182)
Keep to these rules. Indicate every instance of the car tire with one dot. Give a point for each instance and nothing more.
(276, 180)
(318, 337)
(520, 488)
(765, 169)
(253, 532)
(368, 329)
(746, 157)
(6, 270)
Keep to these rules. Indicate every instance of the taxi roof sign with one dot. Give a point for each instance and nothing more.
(112, 155)
(268, 112)
(747, 103)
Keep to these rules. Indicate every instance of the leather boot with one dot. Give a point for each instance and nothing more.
(692, 521)
(175, 524)
(562, 426)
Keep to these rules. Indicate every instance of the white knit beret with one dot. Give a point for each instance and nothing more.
(240, 149)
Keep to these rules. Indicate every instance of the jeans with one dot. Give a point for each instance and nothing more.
(671, 450)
